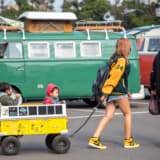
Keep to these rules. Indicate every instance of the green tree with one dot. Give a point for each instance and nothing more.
(87, 9)
(11, 13)
(73, 6)
(37, 5)
(26, 8)
(66, 7)
(21, 3)
(43, 4)
(135, 14)
(94, 9)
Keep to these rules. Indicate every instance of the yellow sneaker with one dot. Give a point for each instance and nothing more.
(95, 143)
(129, 143)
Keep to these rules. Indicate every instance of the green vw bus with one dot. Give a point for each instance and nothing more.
(31, 59)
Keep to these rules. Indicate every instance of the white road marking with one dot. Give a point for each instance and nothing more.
(81, 117)
(145, 103)
(86, 110)
(89, 110)
(101, 115)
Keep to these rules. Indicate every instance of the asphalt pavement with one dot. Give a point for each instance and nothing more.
(145, 130)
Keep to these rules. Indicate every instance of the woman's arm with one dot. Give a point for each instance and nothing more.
(115, 74)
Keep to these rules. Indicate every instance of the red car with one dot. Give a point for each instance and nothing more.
(148, 45)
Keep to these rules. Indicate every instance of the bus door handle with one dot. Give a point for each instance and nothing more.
(20, 69)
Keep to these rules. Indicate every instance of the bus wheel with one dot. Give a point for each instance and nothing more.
(61, 144)
(94, 102)
(10, 145)
(90, 102)
(48, 141)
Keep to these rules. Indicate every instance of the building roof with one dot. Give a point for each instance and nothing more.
(48, 16)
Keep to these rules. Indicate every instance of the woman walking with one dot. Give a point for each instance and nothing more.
(115, 91)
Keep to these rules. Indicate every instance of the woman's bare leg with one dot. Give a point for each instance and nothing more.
(110, 110)
(124, 105)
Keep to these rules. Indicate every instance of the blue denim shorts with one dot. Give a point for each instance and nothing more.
(115, 97)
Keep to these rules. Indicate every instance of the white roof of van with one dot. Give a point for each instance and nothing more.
(150, 31)
(153, 32)
(48, 16)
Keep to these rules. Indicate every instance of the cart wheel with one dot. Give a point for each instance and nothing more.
(2, 138)
(49, 139)
(10, 145)
(61, 144)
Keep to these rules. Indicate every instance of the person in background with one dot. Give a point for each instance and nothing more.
(6, 93)
(155, 76)
(115, 91)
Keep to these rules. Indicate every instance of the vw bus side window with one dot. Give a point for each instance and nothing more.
(11, 50)
(38, 50)
(140, 44)
(90, 49)
(65, 49)
(154, 45)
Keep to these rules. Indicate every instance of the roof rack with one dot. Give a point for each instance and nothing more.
(9, 28)
(98, 23)
(82, 28)
(94, 26)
